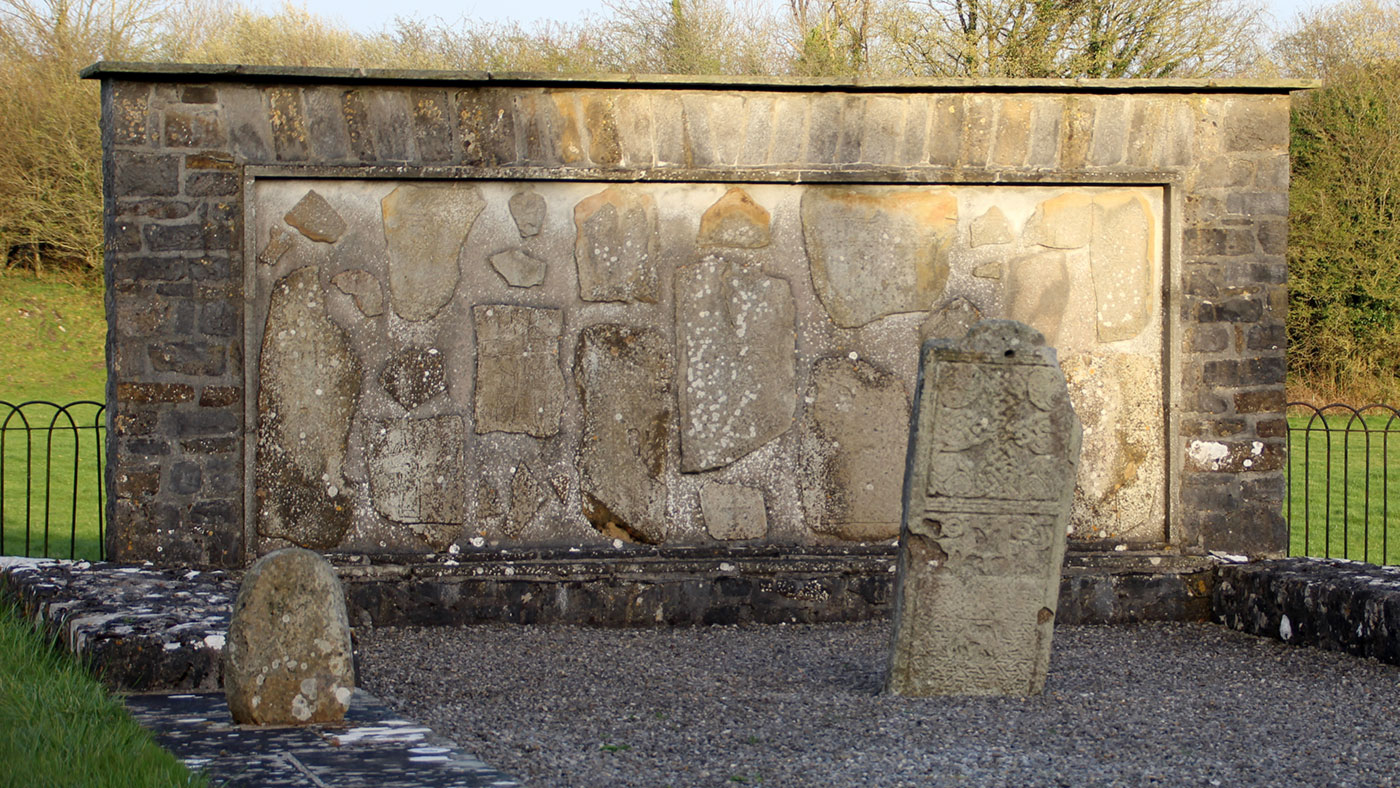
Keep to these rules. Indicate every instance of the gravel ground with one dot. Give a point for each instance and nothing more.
(800, 705)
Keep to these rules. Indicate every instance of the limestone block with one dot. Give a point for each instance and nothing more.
(624, 379)
(414, 375)
(736, 341)
(735, 221)
(519, 386)
(877, 251)
(528, 209)
(418, 474)
(990, 228)
(364, 288)
(616, 246)
(308, 389)
(527, 496)
(733, 511)
(518, 268)
(857, 428)
(989, 485)
(316, 219)
(425, 226)
(1037, 292)
(287, 656)
(1120, 255)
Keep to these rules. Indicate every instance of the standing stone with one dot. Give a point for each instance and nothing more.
(308, 389)
(624, 381)
(988, 489)
(316, 219)
(519, 386)
(425, 227)
(418, 474)
(287, 659)
(616, 248)
(878, 251)
(857, 431)
(414, 376)
(736, 340)
(733, 511)
(528, 210)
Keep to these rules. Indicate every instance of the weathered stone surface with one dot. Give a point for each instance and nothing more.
(1120, 255)
(418, 474)
(309, 386)
(1063, 222)
(990, 480)
(316, 219)
(735, 220)
(364, 288)
(425, 226)
(1038, 292)
(990, 228)
(735, 337)
(519, 386)
(528, 209)
(617, 246)
(527, 496)
(950, 320)
(733, 511)
(287, 659)
(858, 425)
(991, 270)
(414, 375)
(279, 242)
(518, 268)
(1121, 493)
(624, 379)
(877, 251)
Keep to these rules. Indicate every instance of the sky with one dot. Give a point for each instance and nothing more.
(372, 15)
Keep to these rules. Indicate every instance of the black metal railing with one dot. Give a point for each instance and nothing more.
(51, 493)
(1343, 499)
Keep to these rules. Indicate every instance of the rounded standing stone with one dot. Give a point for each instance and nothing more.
(287, 660)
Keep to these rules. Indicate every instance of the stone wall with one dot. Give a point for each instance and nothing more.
(387, 312)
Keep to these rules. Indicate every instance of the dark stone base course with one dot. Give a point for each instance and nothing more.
(1327, 603)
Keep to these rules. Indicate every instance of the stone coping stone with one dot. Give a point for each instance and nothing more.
(374, 748)
(1328, 603)
(144, 628)
(231, 72)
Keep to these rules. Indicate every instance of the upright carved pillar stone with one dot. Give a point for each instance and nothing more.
(987, 493)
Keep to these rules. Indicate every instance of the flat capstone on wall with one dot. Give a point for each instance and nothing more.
(409, 312)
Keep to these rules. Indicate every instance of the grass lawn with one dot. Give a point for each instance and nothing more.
(52, 332)
(59, 727)
(1344, 486)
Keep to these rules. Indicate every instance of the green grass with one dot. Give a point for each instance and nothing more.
(58, 727)
(1339, 516)
(52, 332)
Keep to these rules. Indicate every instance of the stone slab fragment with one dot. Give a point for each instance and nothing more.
(519, 386)
(735, 220)
(418, 474)
(617, 246)
(425, 227)
(288, 658)
(624, 379)
(414, 375)
(309, 387)
(733, 511)
(364, 288)
(528, 209)
(316, 219)
(519, 268)
(736, 340)
(877, 251)
(988, 488)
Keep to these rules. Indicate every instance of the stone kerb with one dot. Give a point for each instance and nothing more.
(988, 487)
(185, 148)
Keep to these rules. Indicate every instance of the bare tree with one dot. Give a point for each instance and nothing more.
(1342, 36)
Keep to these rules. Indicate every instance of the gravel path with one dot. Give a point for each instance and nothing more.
(799, 706)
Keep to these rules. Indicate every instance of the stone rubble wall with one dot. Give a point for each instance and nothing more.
(187, 151)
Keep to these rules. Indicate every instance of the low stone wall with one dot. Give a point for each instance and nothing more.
(1327, 603)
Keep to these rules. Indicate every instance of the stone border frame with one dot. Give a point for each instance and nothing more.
(183, 143)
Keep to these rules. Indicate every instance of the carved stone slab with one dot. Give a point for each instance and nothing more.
(987, 493)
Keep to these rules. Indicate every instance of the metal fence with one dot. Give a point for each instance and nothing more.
(51, 493)
(1343, 499)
